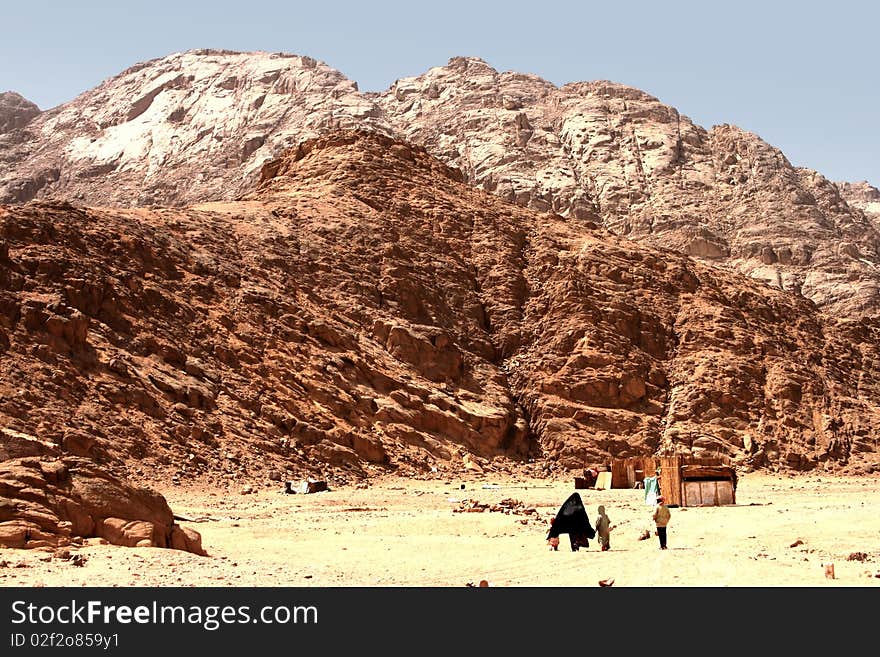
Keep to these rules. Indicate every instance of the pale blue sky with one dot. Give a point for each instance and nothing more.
(802, 75)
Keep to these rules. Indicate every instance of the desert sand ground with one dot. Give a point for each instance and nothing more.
(396, 532)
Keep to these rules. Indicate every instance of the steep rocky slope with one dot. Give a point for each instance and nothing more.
(364, 309)
(197, 126)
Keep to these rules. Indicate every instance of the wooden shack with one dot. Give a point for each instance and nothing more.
(626, 473)
(684, 480)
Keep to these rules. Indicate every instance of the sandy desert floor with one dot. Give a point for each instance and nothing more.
(395, 532)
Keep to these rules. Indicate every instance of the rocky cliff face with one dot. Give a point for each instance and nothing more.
(364, 308)
(198, 126)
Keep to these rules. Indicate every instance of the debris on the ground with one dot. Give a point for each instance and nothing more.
(470, 506)
(796, 543)
(471, 464)
(507, 506)
(606, 582)
(197, 519)
(306, 486)
(857, 556)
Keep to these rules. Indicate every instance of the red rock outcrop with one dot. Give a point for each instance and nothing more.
(50, 500)
(365, 309)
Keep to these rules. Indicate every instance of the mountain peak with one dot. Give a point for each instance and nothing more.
(352, 155)
(462, 63)
(16, 111)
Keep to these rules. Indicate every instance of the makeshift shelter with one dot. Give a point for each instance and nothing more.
(629, 472)
(683, 480)
(597, 478)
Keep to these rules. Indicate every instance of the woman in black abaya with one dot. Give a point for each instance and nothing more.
(572, 519)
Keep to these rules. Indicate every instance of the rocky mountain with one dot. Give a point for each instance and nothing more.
(649, 173)
(364, 309)
(199, 125)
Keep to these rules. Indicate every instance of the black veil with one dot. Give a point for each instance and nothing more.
(572, 519)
